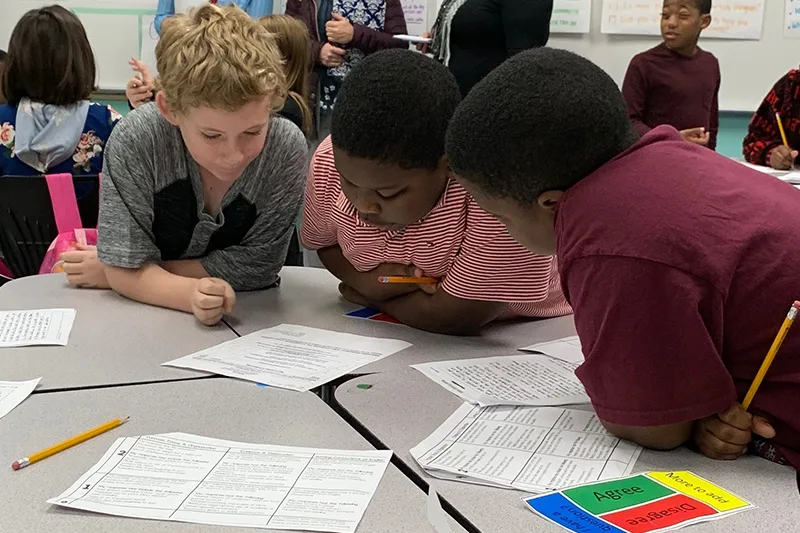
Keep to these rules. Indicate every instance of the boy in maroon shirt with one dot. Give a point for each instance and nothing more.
(763, 144)
(676, 82)
(679, 269)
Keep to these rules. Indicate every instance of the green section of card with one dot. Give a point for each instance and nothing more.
(606, 496)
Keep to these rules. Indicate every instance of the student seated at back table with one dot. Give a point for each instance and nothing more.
(201, 190)
(380, 201)
(763, 144)
(680, 270)
(49, 125)
(677, 83)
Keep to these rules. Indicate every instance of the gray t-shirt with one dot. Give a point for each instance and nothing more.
(151, 202)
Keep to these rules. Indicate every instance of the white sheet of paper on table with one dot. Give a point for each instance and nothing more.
(789, 176)
(188, 478)
(35, 327)
(291, 357)
(13, 393)
(509, 380)
(535, 449)
(567, 349)
(436, 515)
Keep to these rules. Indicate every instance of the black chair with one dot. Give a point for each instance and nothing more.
(27, 224)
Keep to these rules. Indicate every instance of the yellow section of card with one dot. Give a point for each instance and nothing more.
(700, 489)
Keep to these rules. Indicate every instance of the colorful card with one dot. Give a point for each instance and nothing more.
(642, 503)
(367, 313)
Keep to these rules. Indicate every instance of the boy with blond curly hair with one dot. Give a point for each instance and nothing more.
(201, 188)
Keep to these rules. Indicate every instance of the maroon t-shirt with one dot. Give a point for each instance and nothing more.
(681, 265)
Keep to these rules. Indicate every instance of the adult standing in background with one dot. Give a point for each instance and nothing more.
(342, 33)
(473, 37)
(254, 8)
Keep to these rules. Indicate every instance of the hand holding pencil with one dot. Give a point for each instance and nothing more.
(782, 157)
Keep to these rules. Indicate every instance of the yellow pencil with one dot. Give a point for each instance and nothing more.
(407, 279)
(783, 132)
(69, 443)
(773, 350)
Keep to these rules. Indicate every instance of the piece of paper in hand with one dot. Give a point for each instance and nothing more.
(567, 349)
(509, 380)
(35, 327)
(436, 515)
(12, 393)
(291, 357)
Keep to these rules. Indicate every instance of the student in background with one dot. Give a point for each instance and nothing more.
(763, 144)
(201, 189)
(254, 8)
(380, 201)
(679, 281)
(677, 83)
(293, 42)
(49, 125)
(3, 56)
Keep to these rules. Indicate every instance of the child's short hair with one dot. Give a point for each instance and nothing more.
(218, 57)
(3, 55)
(541, 121)
(704, 6)
(293, 41)
(394, 107)
(49, 59)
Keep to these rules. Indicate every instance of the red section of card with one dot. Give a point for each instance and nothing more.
(384, 318)
(659, 514)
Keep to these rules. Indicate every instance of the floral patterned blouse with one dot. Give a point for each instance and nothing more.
(88, 156)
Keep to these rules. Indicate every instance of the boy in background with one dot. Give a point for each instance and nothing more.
(679, 282)
(201, 189)
(763, 144)
(381, 201)
(3, 56)
(677, 83)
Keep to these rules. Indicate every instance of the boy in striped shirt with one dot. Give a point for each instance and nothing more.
(380, 201)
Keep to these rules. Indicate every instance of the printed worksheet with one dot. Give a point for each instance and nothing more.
(534, 449)
(567, 349)
(36, 327)
(789, 176)
(291, 357)
(12, 393)
(187, 478)
(510, 380)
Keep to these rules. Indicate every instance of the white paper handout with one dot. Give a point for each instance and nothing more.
(12, 393)
(567, 349)
(187, 478)
(40, 327)
(535, 449)
(436, 515)
(509, 380)
(789, 176)
(291, 357)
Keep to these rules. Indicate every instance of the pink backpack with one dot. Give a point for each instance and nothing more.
(68, 222)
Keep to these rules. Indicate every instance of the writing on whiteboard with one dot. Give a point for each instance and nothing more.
(792, 26)
(571, 16)
(416, 13)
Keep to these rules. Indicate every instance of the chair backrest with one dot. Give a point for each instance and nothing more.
(27, 223)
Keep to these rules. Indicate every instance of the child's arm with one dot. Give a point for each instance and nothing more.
(634, 91)
(763, 135)
(165, 9)
(713, 126)
(366, 283)
(368, 40)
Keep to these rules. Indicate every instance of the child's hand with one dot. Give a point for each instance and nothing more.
(140, 88)
(696, 136)
(212, 298)
(353, 296)
(782, 158)
(423, 47)
(83, 268)
(376, 291)
(726, 435)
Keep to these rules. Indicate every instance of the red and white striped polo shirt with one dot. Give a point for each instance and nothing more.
(469, 249)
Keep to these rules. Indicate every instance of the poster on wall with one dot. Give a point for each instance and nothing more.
(416, 12)
(571, 16)
(730, 19)
(792, 25)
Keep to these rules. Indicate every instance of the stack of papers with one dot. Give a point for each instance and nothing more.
(12, 393)
(187, 478)
(291, 357)
(36, 327)
(567, 349)
(789, 176)
(534, 449)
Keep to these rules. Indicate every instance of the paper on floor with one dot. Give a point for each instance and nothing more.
(187, 478)
(12, 393)
(535, 449)
(35, 327)
(509, 380)
(567, 349)
(291, 357)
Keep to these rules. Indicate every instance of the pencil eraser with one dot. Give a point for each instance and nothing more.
(796, 304)
(15, 465)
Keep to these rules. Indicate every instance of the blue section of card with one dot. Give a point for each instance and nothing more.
(559, 509)
(364, 312)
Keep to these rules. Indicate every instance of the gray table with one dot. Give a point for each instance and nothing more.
(114, 341)
(402, 408)
(310, 297)
(217, 407)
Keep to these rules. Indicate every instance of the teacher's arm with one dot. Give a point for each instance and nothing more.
(369, 40)
(165, 9)
(526, 24)
(257, 8)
